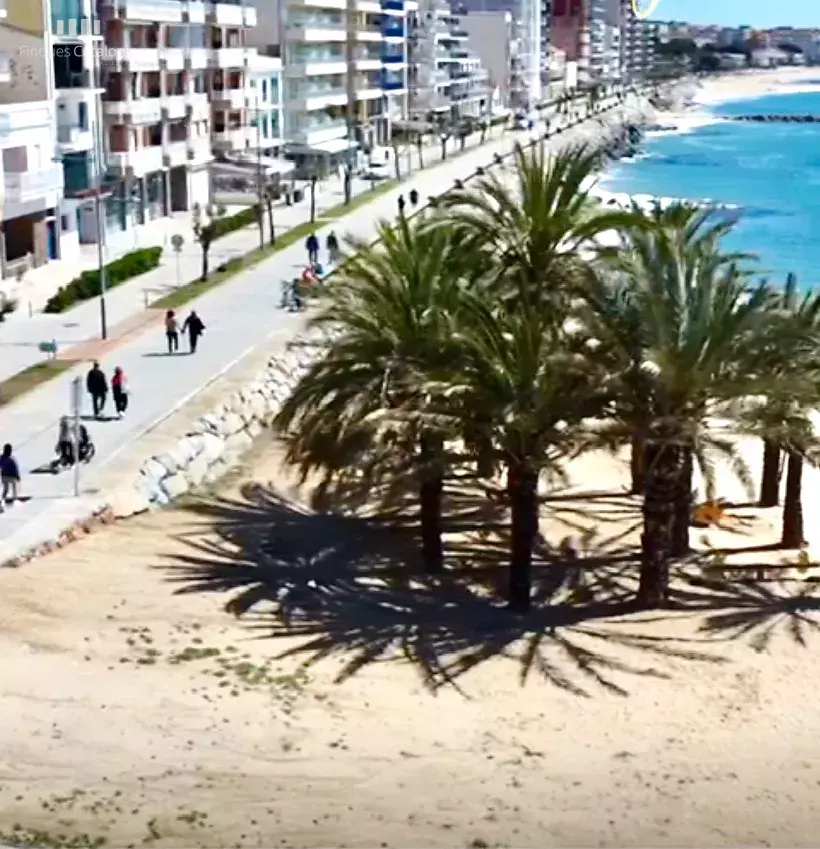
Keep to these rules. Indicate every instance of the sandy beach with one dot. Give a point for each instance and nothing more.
(152, 696)
(693, 104)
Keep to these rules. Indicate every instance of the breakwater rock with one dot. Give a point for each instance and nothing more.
(777, 119)
(219, 438)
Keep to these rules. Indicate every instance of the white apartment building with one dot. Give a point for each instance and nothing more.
(145, 90)
(31, 231)
(265, 78)
(344, 73)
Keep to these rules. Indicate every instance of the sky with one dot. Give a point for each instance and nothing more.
(755, 13)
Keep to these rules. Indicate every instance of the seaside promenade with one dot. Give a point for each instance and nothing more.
(240, 316)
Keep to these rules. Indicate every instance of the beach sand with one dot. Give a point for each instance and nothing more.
(135, 707)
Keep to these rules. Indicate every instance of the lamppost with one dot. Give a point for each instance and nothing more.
(312, 198)
(98, 165)
(259, 188)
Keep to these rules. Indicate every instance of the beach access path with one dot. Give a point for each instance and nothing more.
(241, 315)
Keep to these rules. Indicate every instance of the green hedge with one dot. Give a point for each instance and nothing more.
(238, 221)
(87, 285)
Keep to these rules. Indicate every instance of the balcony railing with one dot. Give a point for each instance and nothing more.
(393, 85)
(393, 31)
(22, 186)
(310, 91)
(393, 5)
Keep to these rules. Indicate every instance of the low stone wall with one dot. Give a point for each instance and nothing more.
(217, 440)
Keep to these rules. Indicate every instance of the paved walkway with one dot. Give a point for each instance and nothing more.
(239, 316)
(21, 333)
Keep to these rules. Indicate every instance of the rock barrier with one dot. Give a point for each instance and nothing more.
(218, 439)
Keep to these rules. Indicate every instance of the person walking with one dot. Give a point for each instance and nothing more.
(312, 246)
(195, 328)
(332, 248)
(9, 477)
(414, 198)
(97, 386)
(172, 331)
(119, 391)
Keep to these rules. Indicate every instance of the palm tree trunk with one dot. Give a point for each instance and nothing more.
(663, 471)
(637, 463)
(522, 485)
(683, 508)
(770, 480)
(792, 504)
(431, 488)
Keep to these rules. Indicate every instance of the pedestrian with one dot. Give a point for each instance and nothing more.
(414, 198)
(65, 442)
(9, 476)
(312, 245)
(193, 324)
(401, 204)
(172, 331)
(97, 386)
(119, 391)
(332, 248)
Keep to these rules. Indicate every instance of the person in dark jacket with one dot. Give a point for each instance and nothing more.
(119, 391)
(332, 248)
(195, 328)
(312, 245)
(401, 204)
(97, 386)
(414, 198)
(9, 476)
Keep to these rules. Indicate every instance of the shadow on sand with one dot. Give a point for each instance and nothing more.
(352, 588)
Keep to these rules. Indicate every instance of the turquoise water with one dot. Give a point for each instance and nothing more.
(771, 171)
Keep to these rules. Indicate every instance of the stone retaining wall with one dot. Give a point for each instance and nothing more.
(219, 438)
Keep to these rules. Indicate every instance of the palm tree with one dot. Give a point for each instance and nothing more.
(783, 418)
(534, 392)
(527, 234)
(701, 321)
(362, 410)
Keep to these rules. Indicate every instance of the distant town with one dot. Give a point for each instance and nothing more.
(709, 47)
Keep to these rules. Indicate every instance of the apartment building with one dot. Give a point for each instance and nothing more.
(604, 22)
(145, 89)
(344, 74)
(637, 45)
(570, 33)
(508, 36)
(31, 232)
(265, 78)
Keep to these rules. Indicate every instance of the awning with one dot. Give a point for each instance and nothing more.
(334, 146)
(249, 163)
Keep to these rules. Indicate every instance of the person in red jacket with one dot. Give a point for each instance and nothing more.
(119, 391)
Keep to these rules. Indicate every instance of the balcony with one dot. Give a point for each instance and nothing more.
(317, 132)
(228, 57)
(317, 97)
(229, 98)
(198, 106)
(21, 187)
(136, 161)
(174, 106)
(369, 34)
(390, 30)
(198, 151)
(74, 139)
(370, 63)
(230, 139)
(150, 11)
(232, 15)
(393, 5)
(196, 58)
(135, 58)
(70, 24)
(172, 58)
(175, 154)
(393, 58)
(312, 28)
(194, 12)
(373, 93)
(143, 110)
(393, 85)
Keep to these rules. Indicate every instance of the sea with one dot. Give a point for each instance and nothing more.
(770, 171)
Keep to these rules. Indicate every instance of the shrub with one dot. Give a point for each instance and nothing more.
(230, 223)
(87, 285)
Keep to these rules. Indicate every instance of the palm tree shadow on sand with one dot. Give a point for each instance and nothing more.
(350, 588)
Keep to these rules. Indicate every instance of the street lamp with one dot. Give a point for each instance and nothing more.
(259, 170)
(312, 198)
(98, 215)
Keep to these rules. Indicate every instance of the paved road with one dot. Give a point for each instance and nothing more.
(239, 316)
